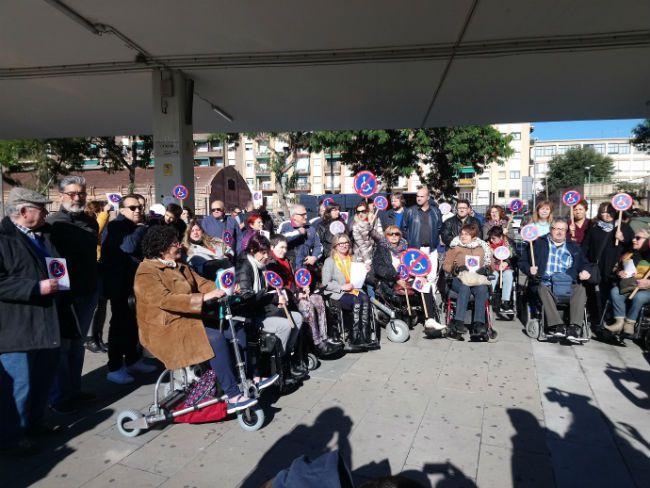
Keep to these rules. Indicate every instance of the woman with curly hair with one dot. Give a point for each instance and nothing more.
(496, 217)
(170, 298)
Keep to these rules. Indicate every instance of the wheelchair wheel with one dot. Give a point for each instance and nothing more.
(532, 328)
(251, 419)
(312, 362)
(492, 335)
(127, 416)
(397, 331)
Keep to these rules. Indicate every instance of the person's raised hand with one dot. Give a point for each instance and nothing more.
(619, 236)
(108, 207)
(47, 287)
(584, 275)
(533, 270)
(302, 230)
(503, 266)
(310, 260)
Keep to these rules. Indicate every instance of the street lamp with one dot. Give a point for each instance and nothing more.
(589, 168)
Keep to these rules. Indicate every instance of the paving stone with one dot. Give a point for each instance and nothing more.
(120, 475)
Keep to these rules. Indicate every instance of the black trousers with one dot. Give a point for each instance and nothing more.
(122, 334)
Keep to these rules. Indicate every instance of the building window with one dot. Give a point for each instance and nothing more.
(502, 175)
(249, 163)
(515, 175)
(516, 136)
(613, 148)
(249, 181)
(541, 151)
(232, 162)
(249, 146)
(514, 193)
(599, 148)
(565, 147)
(201, 146)
(502, 194)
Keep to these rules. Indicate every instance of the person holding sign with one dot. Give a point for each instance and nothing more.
(337, 280)
(469, 263)
(632, 278)
(29, 336)
(217, 223)
(304, 244)
(366, 231)
(170, 301)
(559, 264)
(578, 228)
(502, 272)
(332, 214)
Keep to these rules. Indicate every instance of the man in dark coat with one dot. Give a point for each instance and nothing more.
(29, 324)
(121, 255)
(395, 215)
(74, 234)
(451, 227)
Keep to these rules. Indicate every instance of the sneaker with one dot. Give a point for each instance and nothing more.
(506, 307)
(121, 376)
(459, 326)
(238, 403)
(93, 346)
(141, 367)
(64, 408)
(574, 333)
(266, 382)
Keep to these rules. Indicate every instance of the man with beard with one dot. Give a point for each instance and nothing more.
(74, 235)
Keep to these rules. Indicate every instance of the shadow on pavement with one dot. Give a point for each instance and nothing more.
(26, 471)
(620, 376)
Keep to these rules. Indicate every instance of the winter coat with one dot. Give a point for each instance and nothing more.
(121, 255)
(451, 228)
(300, 245)
(382, 262)
(325, 236)
(28, 321)
(364, 236)
(168, 308)
(455, 255)
(411, 225)
(598, 246)
(540, 248)
(75, 238)
(260, 304)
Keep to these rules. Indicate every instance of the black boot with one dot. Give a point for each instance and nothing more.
(355, 339)
(459, 326)
(366, 334)
(479, 329)
(298, 369)
(325, 349)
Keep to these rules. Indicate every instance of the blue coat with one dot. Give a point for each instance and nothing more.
(215, 228)
(540, 247)
(300, 245)
(411, 225)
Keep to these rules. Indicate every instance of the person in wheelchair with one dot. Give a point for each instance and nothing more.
(311, 306)
(205, 254)
(496, 239)
(468, 261)
(336, 279)
(170, 300)
(559, 265)
(265, 306)
(631, 272)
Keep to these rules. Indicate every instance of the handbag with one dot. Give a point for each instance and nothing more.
(562, 287)
(626, 285)
(470, 278)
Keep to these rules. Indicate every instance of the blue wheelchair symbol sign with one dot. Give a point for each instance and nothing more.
(416, 261)
(227, 279)
(227, 238)
(273, 279)
(303, 277)
(180, 192)
(622, 201)
(365, 184)
(403, 272)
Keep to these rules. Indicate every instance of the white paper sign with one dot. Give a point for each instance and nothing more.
(472, 263)
(57, 269)
(629, 268)
(114, 199)
(421, 284)
(358, 274)
(258, 199)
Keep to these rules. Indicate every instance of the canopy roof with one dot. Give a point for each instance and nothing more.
(295, 64)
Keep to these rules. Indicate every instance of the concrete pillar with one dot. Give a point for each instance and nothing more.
(172, 133)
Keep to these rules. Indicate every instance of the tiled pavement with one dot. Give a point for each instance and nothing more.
(511, 413)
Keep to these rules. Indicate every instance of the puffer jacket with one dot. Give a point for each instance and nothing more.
(455, 256)
(364, 235)
(382, 261)
(451, 228)
(260, 304)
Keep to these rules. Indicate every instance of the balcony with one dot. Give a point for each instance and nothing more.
(335, 168)
(466, 182)
(262, 169)
(302, 188)
(266, 186)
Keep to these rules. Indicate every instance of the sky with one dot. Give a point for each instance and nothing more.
(584, 129)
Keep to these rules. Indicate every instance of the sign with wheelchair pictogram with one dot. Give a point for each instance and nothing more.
(403, 272)
(502, 253)
(180, 192)
(337, 227)
(421, 284)
(365, 184)
(622, 201)
(381, 202)
(227, 238)
(328, 201)
(303, 277)
(273, 279)
(226, 280)
(57, 269)
(571, 197)
(417, 262)
(445, 208)
(516, 205)
(529, 232)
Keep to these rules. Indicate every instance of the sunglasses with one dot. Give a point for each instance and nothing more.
(362, 211)
(639, 238)
(217, 209)
(134, 208)
(394, 234)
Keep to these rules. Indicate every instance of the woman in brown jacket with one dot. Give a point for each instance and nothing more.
(468, 253)
(169, 300)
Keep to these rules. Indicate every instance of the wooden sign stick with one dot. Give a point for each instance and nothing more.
(636, 289)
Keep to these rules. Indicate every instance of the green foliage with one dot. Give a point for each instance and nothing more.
(642, 136)
(45, 159)
(636, 190)
(569, 169)
(113, 156)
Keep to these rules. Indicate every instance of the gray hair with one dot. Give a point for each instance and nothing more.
(72, 180)
(293, 210)
(561, 220)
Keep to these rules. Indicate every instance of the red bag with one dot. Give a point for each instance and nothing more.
(211, 413)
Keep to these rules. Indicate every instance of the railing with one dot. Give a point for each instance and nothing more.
(466, 182)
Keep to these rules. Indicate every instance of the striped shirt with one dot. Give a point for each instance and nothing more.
(559, 259)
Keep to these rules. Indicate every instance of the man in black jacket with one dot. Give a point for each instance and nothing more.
(74, 234)
(451, 227)
(29, 323)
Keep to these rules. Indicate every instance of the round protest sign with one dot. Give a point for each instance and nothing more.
(516, 205)
(57, 269)
(228, 238)
(529, 232)
(419, 284)
(445, 208)
(337, 227)
(416, 261)
(381, 203)
(273, 279)
(180, 192)
(403, 272)
(303, 277)
(571, 198)
(502, 253)
(227, 279)
(621, 201)
(114, 197)
(365, 184)
(328, 201)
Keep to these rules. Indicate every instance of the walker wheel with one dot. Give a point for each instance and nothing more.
(251, 419)
(312, 362)
(532, 328)
(127, 416)
(397, 331)
(492, 335)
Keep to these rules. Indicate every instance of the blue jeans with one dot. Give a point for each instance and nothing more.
(480, 293)
(619, 303)
(67, 381)
(508, 279)
(221, 363)
(25, 380)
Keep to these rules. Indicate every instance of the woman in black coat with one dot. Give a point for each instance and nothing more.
(332, 214)
(599, 246)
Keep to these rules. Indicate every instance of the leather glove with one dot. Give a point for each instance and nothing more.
(485, 271)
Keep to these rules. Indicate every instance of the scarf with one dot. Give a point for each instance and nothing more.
(402, 245)
(256, 265)
(287, 272)
(168, 263)
(606, 226)
(345, 267)
(497, 223)
(474, 243)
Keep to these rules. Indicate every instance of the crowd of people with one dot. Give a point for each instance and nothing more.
(157, 267)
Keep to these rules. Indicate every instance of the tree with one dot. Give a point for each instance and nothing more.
(642, 136)
(45, 159)
(569, 169)
(113, 156)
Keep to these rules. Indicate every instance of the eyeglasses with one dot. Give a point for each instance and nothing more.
(639, 238)
(563, 229)
(344, 243)
(394, 234)
(72, 194)
(217, 209)
(134, 208)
